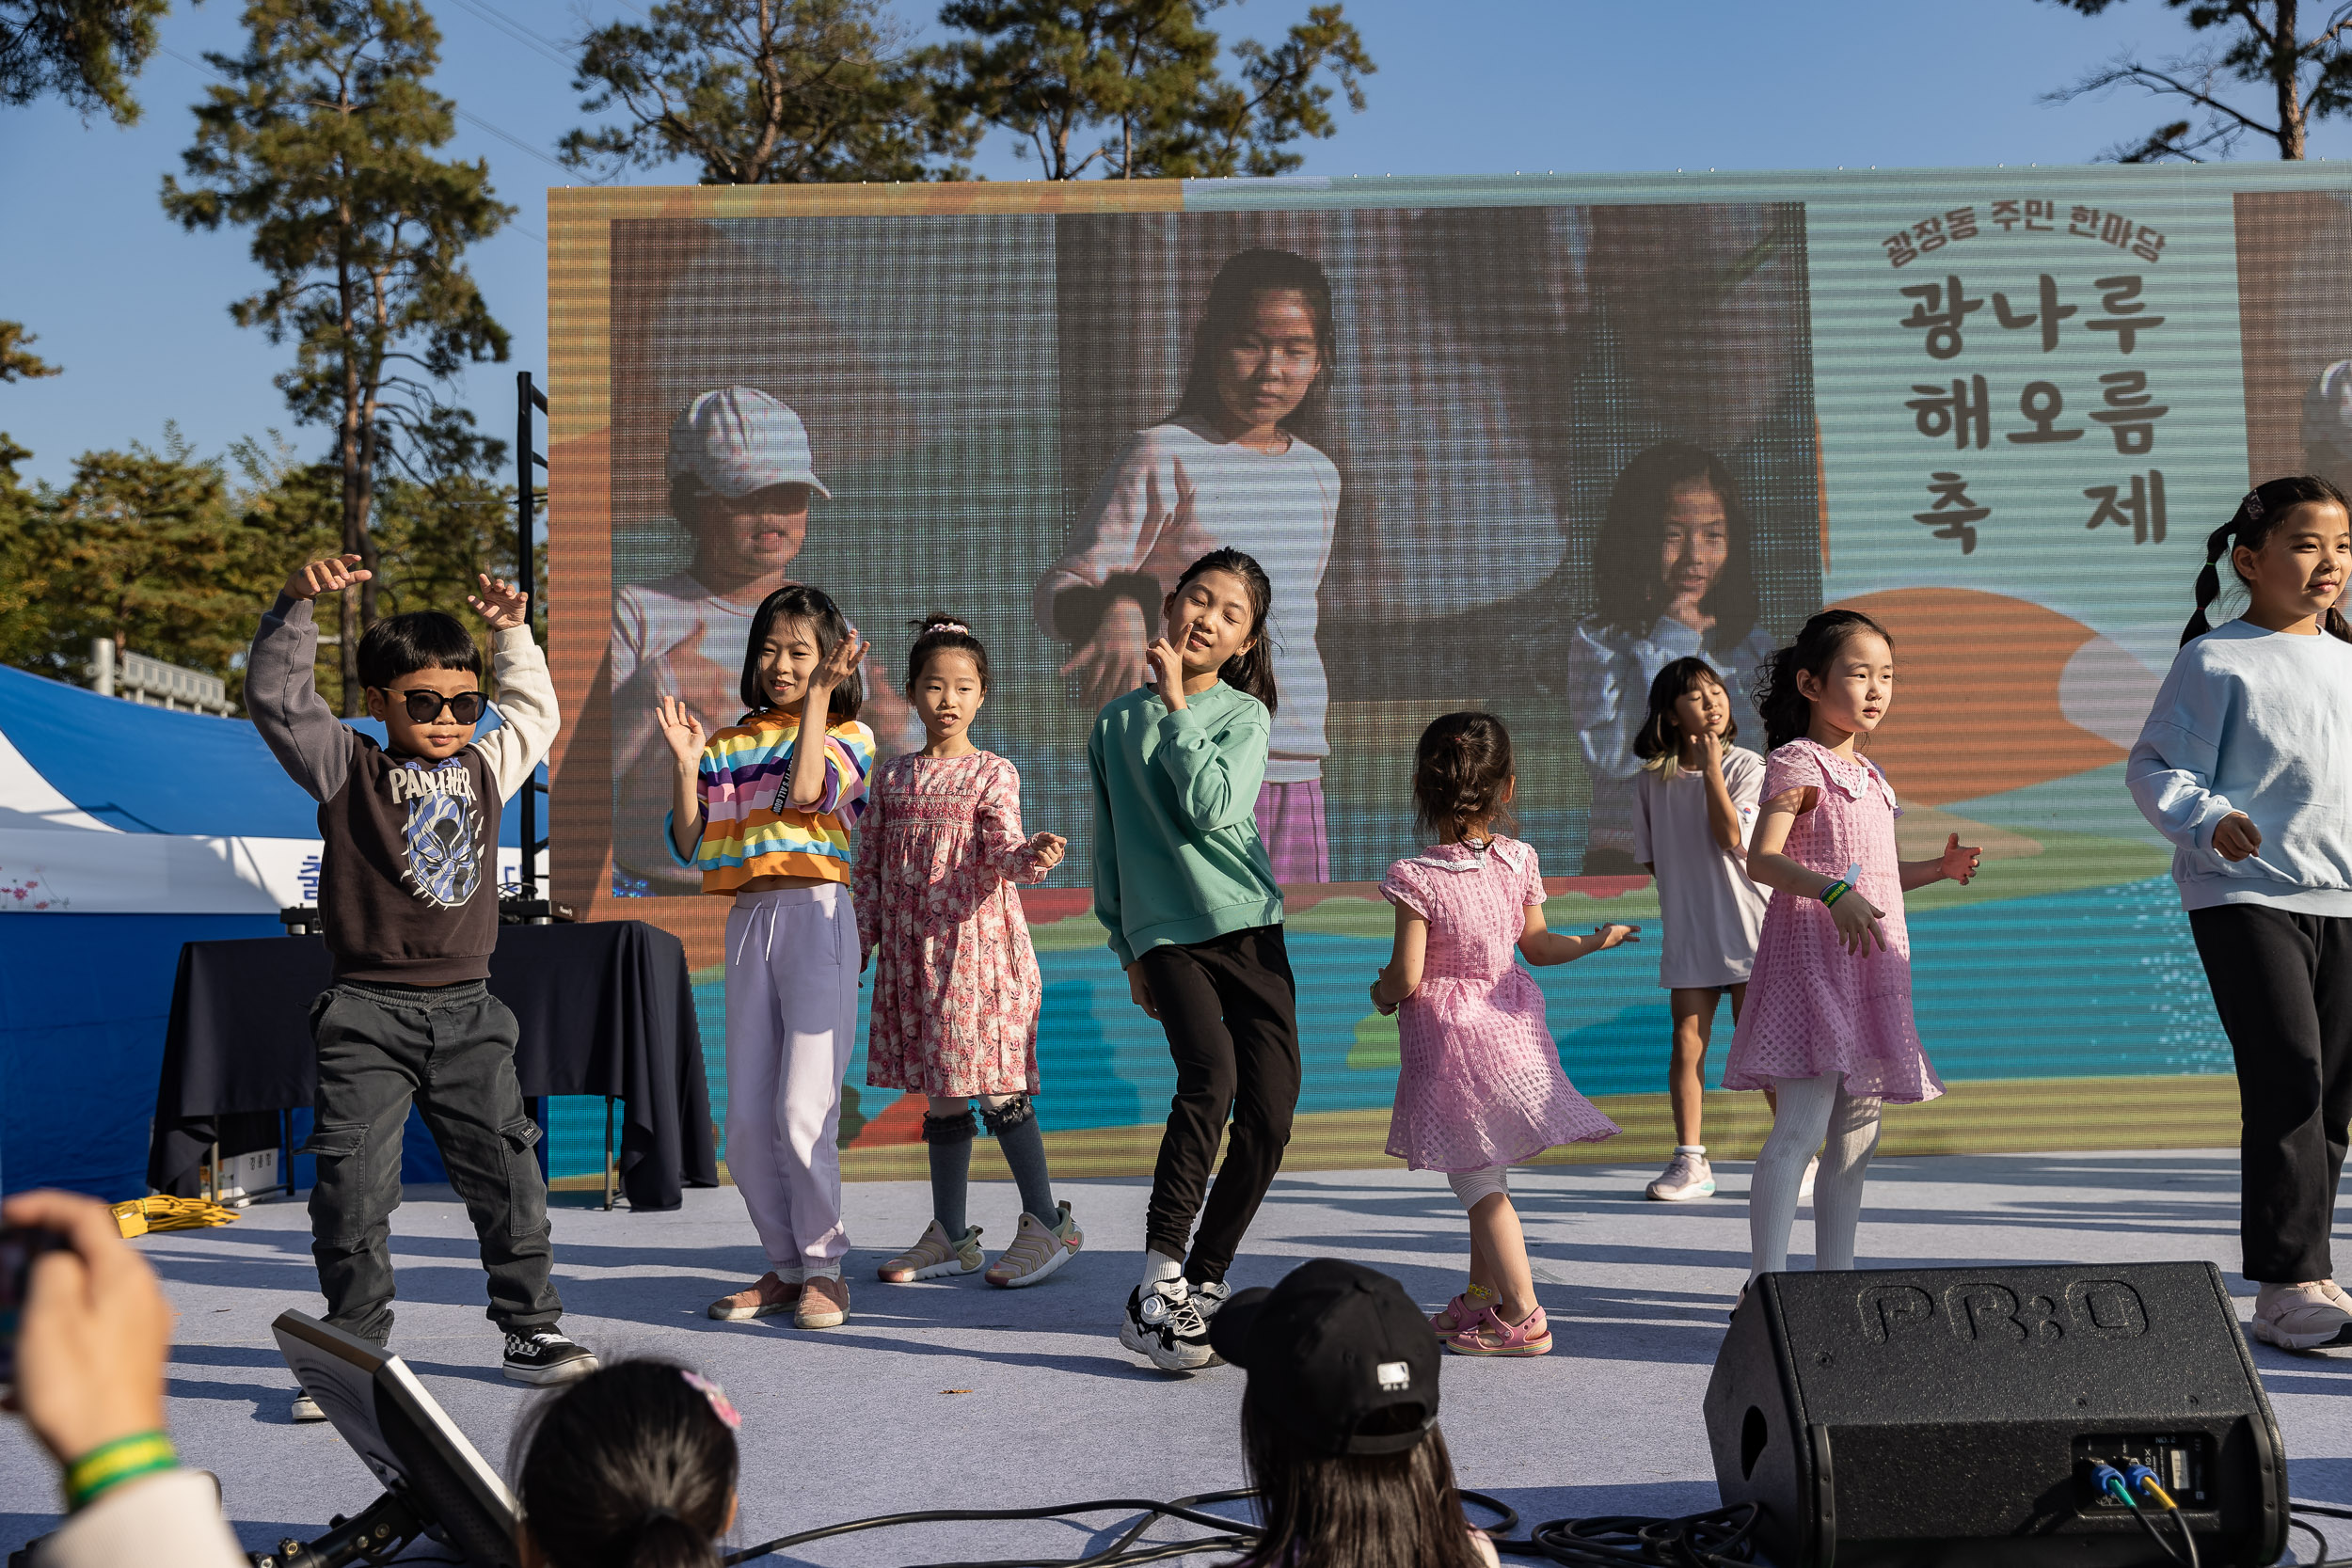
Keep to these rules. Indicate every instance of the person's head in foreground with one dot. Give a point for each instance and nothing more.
(1340, 1424)
(633, 1467)
(741, 477)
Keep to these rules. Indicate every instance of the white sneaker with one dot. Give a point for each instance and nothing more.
(1208, 1297)
(1687, 1175)
(1812, 1169)
(306, 1408)
(1164, 1323)
(2300, 1318)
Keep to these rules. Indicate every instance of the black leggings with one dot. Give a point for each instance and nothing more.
(2283, 984)
(1230, 1009)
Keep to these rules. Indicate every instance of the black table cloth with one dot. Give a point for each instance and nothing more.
(605, 1009)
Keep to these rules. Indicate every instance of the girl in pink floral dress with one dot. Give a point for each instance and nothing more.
(1828, 1025)
(1479, 1087)
(956, 988)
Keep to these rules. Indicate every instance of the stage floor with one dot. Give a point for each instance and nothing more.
(951, 1393)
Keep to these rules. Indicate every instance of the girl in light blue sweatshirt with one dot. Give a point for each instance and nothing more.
(2246, 764)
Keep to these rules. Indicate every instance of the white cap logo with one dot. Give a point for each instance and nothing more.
(1395, 1376)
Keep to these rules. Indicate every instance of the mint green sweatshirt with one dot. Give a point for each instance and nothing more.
(1176, 851)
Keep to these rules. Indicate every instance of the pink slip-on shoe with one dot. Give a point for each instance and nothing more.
(1461, 1311)
(1491, 1335)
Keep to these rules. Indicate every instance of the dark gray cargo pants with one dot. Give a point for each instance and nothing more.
(451, 1049)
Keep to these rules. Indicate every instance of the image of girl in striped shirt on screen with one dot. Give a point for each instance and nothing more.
(767, 822)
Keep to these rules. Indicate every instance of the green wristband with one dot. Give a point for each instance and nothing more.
(109, 1464)
(1836, 890)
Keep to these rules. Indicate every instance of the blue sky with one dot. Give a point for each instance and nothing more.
(137, 310)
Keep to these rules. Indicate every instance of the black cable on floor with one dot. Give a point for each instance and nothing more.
(2323, 1511)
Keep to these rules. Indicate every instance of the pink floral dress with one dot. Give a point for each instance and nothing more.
(1478, 1082)
(956, 986)
(1813, 1007)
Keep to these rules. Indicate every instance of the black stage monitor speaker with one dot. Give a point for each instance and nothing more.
(1954, 1416)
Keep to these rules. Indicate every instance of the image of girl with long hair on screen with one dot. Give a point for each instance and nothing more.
(1227, 467)
(1672, 578)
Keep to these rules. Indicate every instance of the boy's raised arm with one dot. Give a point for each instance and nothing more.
(526, 694)
(281, 693)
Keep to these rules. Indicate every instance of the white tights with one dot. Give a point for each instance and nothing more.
(1811, 1110)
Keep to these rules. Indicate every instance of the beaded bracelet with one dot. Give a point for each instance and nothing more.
(109, 1464)
(1836, 890)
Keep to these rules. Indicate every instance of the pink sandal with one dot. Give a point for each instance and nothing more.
(1491, 1335)
(1461, 1312)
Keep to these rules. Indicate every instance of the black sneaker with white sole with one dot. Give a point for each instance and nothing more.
(1164, 1323)
(543, 1357)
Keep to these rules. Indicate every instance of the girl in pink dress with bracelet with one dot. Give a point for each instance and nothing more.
(955, 984)
(1479, 1087)
(1828, 1022)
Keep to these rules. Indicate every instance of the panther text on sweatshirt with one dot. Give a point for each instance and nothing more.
(408, 883)
(1177, 857)
(2260, 723)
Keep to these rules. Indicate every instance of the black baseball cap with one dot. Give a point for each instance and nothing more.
(1332, 1344)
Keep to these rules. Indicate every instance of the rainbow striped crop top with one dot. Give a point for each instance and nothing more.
(748, 832)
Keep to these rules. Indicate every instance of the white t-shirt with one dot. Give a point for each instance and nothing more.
(1711, 910)
(653, 618)
(1177, 493)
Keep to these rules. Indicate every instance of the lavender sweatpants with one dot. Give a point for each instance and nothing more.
(791, 1024)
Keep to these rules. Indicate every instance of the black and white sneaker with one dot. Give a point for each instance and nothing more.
(1209, 1295)
(543, 1357)
(1164, 1323)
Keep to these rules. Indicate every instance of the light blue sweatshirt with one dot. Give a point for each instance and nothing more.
(2261, 723)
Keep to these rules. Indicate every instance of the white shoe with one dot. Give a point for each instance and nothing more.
(2301, 1318)
(306, 1408)
(1812, 1169)
(1687, 1175)
(1164, 1323)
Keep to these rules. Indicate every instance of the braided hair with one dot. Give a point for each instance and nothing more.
(2257, 518)
(1460, 769)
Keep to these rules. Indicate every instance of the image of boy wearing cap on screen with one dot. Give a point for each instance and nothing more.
(1338, 1424)
(742, 478)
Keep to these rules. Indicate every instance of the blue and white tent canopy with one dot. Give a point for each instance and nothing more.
(107, 807)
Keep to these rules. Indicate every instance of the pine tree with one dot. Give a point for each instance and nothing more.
(82, 51)
(767, 92)
(1140, 80)
(322, 145)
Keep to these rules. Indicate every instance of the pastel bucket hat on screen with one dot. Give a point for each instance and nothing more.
(738, 439)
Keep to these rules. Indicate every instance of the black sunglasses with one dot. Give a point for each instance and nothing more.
(425, 706)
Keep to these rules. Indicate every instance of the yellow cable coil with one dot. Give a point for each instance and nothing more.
(160, 1213)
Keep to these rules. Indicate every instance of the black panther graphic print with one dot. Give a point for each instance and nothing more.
(443, 835)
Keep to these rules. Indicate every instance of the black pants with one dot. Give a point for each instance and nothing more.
(2283, 984)
(1231, 1013)
(451, 1050)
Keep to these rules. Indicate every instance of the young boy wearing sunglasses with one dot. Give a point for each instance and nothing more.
(409, 898)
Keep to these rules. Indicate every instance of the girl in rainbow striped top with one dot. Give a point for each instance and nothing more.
(767, 822)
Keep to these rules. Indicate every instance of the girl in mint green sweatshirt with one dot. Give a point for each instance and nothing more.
(1184, 888)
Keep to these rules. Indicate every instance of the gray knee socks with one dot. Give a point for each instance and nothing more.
(1014, 1126)
(949, 1139)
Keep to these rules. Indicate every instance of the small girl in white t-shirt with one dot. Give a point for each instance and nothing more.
(1694, 805)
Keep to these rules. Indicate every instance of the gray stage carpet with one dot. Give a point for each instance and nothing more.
(953, 1393)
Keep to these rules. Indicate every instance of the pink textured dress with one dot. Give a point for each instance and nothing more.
(956, 986)
(1813, 1007)
(1478, 1082)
